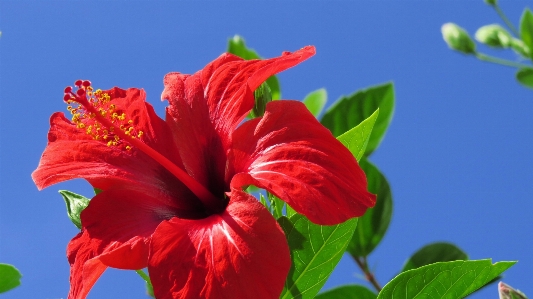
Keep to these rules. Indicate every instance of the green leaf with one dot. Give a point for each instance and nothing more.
(75, 205)
(451, 280)
(374, 223)
(526, 29)
(237, 46)
(352, 291)
(349, 111)
(434, 253)
(525, 76)
(357, 139)
(315, 101)
(276, 205)
(315, 251)
(9, 277)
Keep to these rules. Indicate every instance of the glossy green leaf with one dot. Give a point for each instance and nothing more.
(9, 277)
(450, 280)
(315, 101)
(349, 111)
(373, 225)
(237, 46)
(434, 253)
(526, 29)
(75, 205)
(525, 76)
(315, 251)
(357, 138)
(352, 291)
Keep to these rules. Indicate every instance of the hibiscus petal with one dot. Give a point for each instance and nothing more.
(240, 253)
(206, 107)
(117, 228)
(71, 153)
(289, 153)
(85, 267)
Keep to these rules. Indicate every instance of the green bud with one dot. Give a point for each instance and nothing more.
(491, 2)
(520, 48)
(494, 35)
(458, 39)
(262, 97)
(507, 292)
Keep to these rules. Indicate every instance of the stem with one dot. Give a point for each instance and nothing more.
(363, 264)
(504, 62)
(506, 20)
(144, 276)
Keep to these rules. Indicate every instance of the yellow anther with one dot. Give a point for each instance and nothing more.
(105, 137)
(112, 107)
(69, 108)
(130, 122)
(140, 134)
(96, 137)
(109, 143)
(128, 147)
(80, 125)
(122, 127)
(117, 138)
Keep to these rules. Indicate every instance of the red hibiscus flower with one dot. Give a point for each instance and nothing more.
(173, 198)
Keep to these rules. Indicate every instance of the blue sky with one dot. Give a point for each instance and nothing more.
(457, 154)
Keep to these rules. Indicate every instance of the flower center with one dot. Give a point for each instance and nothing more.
(102, 120)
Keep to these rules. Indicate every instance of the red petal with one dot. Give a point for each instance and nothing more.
(124, 220)
(241, 253)
(117, 228)
(207, 106)
(289, 153)
(85, 267)
(71, 153)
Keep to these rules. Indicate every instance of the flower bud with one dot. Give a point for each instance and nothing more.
(458, 39)
(520, 48)
(507, 292)
(262, 97)
(491, 2)
(494, 36)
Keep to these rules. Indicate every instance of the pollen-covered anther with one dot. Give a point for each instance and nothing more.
(95, 112)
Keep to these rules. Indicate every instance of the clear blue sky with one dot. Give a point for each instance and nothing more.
(457, 155)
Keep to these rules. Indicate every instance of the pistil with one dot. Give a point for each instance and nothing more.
(210, 202)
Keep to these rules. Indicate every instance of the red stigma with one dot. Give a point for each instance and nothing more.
(78, 83)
